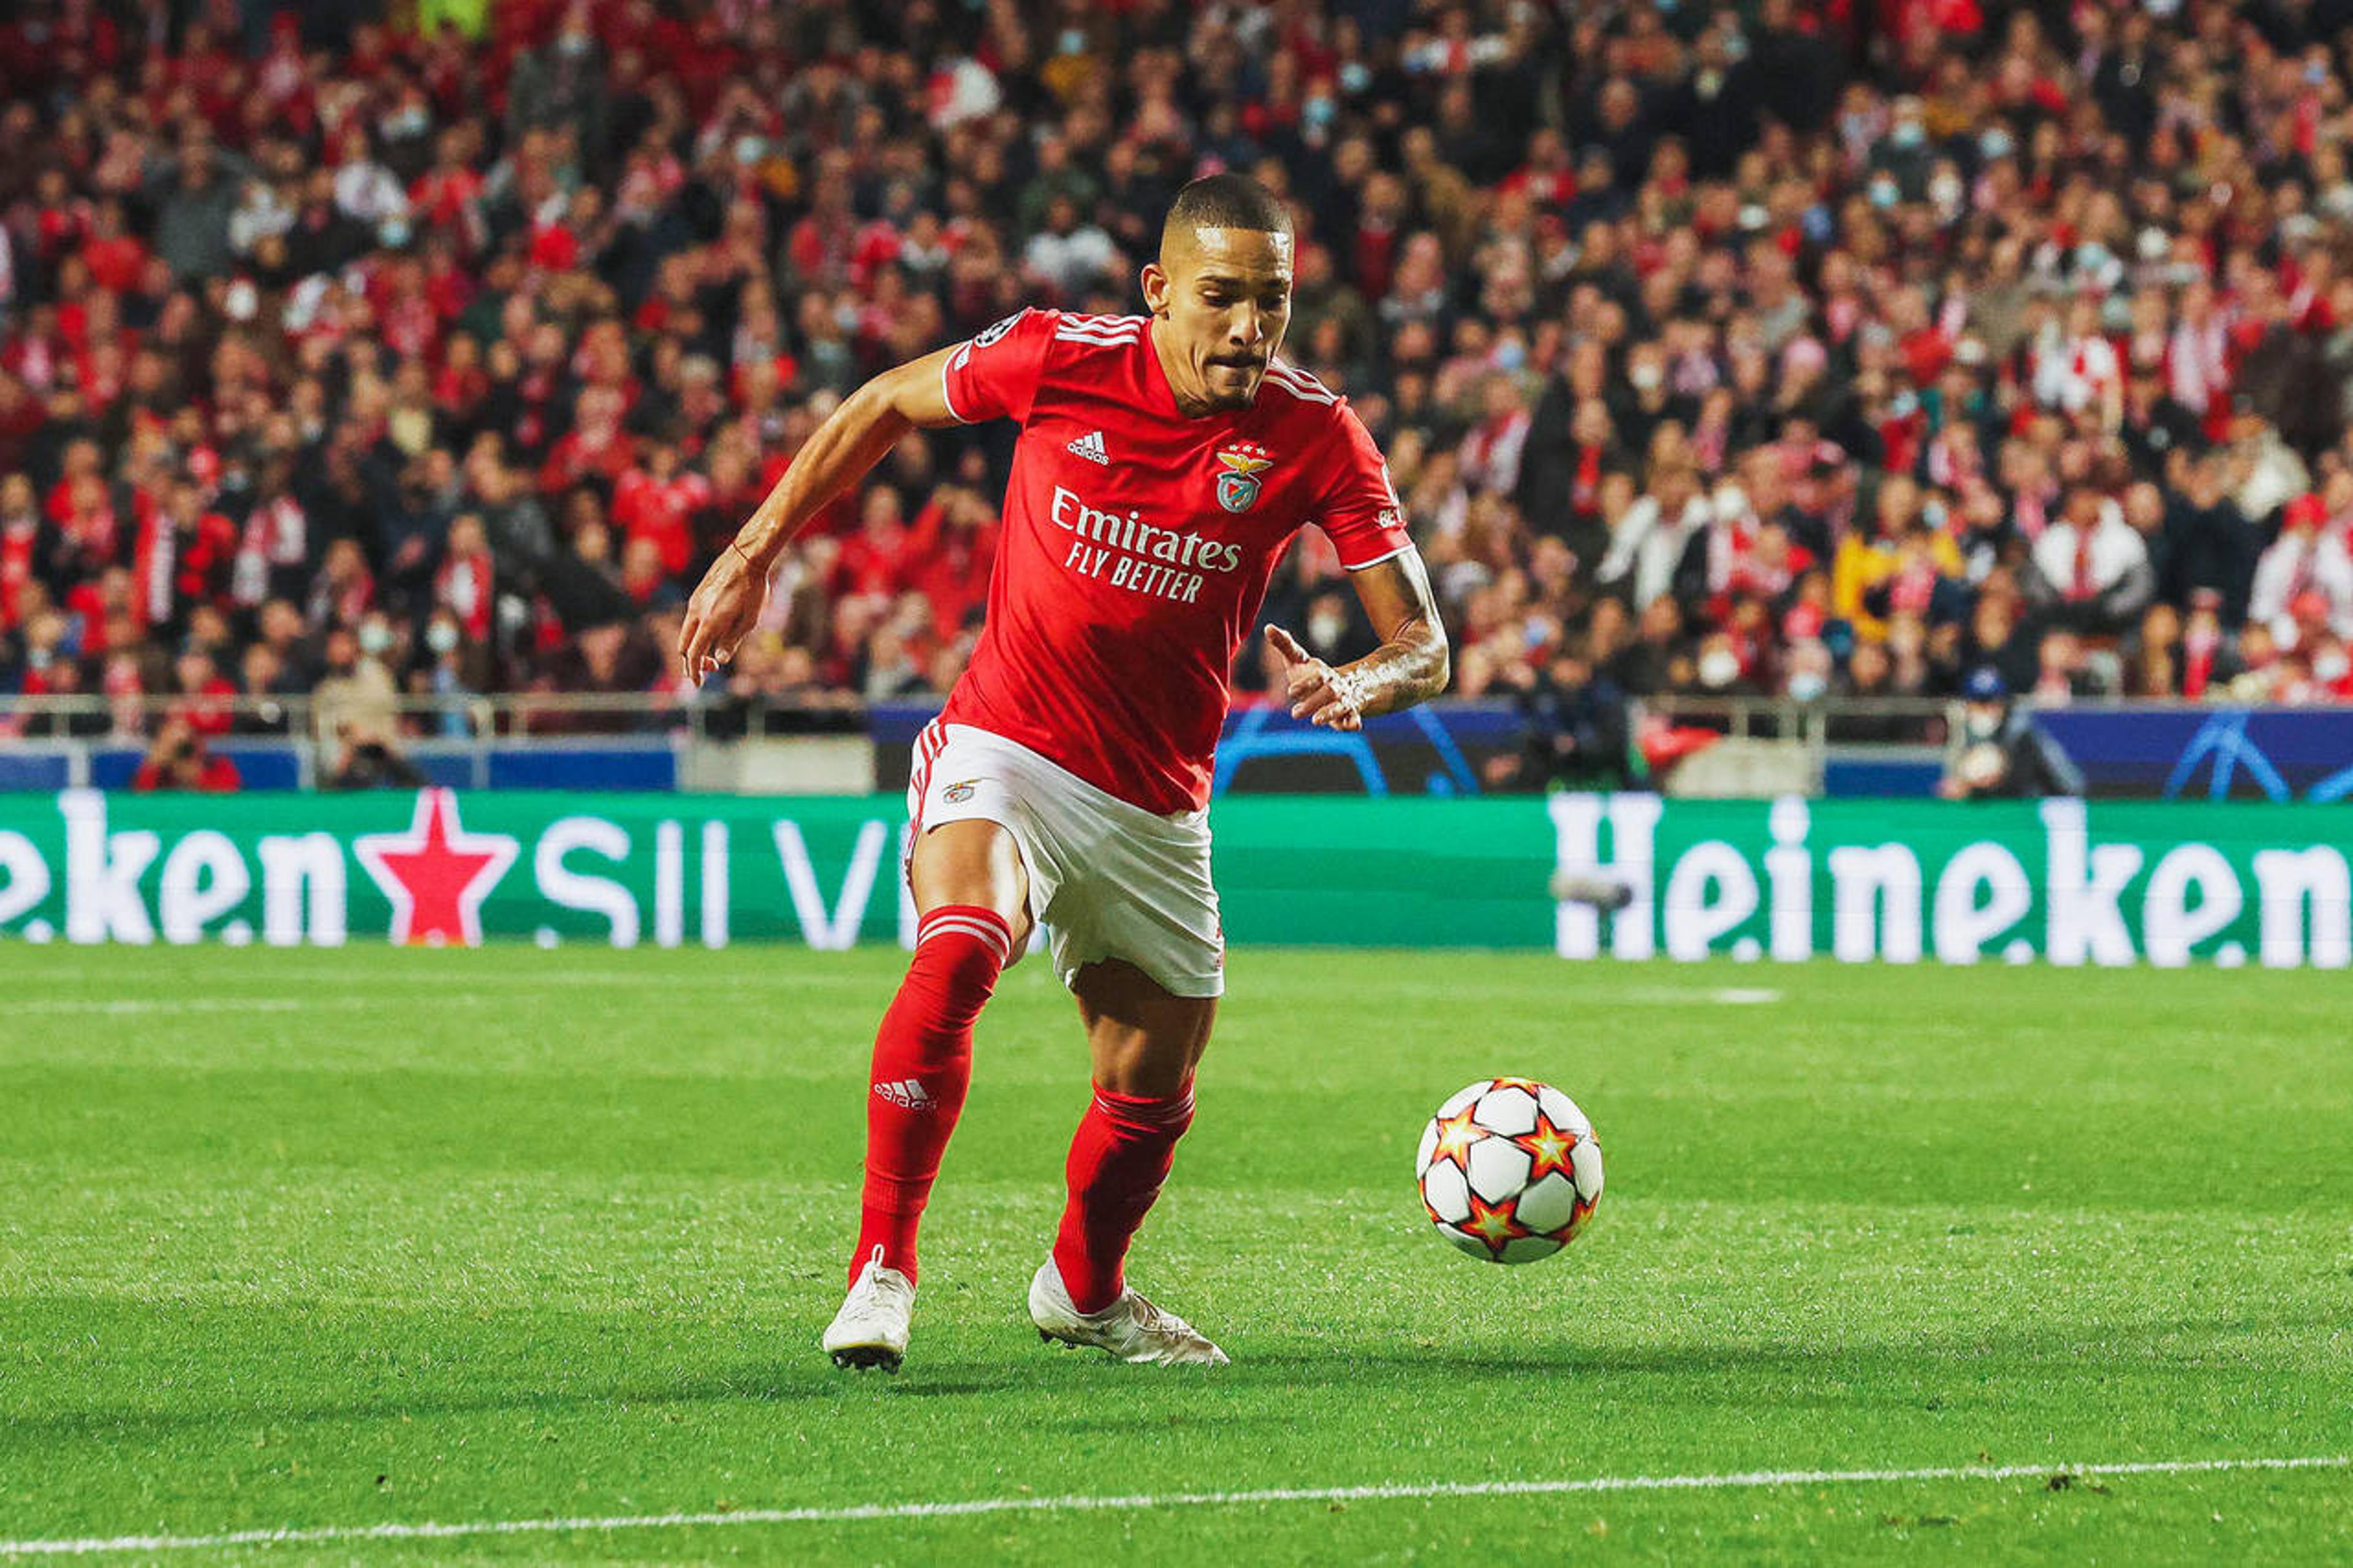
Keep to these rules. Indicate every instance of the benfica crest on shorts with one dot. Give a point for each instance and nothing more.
(1238, 485)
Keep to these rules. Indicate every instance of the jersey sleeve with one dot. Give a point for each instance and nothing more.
(995, 376)
(1359, 508)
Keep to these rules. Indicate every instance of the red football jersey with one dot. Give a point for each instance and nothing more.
(1137, 544)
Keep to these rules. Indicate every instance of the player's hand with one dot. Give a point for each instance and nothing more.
(727, 606)
(1318, 693)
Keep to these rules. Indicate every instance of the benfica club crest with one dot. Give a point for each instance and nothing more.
(1237, 484)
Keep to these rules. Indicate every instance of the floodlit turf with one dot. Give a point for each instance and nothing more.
(345, 1239)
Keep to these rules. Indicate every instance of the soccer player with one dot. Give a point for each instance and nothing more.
(1164, 462)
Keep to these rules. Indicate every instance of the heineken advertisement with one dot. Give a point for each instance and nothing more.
(1899, 881)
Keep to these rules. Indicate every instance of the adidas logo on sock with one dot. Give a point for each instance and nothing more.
(908, 1093)
(1090, 447)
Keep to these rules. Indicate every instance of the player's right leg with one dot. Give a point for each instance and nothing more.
(971, 894)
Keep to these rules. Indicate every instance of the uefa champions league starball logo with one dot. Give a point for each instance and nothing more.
(1238, 486)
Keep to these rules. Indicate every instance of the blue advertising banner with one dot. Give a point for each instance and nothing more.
(2184, 753)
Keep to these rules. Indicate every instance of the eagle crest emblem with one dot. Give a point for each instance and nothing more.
(1239, 464)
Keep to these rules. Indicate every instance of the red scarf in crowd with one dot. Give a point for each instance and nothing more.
(18, 538)
(277, 535)
(463, 587)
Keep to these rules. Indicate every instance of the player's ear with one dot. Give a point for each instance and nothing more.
(1156, 288)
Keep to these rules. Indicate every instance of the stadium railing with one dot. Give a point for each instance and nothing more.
(632, 740)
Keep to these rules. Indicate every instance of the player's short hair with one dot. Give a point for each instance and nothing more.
(1226, 201)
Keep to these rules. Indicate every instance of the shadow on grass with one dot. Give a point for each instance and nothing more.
(241, 1367)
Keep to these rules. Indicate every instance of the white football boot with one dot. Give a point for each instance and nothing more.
(1130, 1329)
(871, 1330)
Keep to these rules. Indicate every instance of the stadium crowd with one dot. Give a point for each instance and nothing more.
(1762, 348)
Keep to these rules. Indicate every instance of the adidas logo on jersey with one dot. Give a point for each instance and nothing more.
(1090, 447)
(908, 1093)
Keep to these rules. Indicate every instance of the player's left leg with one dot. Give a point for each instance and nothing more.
(1145, 1042)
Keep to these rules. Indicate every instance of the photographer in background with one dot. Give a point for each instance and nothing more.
(355, 712)
(2004, 755)
(179, 759)
(1577, 728)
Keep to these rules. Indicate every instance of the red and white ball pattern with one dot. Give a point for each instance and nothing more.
(1509, 1170)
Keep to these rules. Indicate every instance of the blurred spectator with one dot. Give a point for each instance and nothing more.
(355, 712)
(2307, 567)
(2001, 754)
(181, 759)
(1576, 729)
(2089, 568)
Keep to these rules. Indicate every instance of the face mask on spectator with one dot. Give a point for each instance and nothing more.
(1719, 668)
(242, 302)
(1908, 133)
(1995, 143)
(2329, 668)
(1645, 377)
(441, 637)
(374, 639)
(1883, 193)
(1806, 687)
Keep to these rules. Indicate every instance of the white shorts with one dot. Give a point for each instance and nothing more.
(1107, 879)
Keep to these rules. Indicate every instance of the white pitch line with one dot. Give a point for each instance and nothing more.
(1406, 1492)
(126, 1007)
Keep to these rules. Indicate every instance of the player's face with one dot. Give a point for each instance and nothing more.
(1224, 295)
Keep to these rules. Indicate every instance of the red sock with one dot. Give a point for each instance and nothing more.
(923, 1065)
(1120, 1157)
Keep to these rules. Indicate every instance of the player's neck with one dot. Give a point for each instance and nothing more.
(1191, 404)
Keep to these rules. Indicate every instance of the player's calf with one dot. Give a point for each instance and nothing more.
(923, 1068)
(1119, 1158)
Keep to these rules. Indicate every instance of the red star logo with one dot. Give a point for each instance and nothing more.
(1494, 1225)
(1548, 1148)
(436, 874)
(1456, 1133)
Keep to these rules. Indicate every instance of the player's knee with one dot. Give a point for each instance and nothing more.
(965, 969)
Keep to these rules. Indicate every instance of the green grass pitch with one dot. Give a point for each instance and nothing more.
(329, 1240)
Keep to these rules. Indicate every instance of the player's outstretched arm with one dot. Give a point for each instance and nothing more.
(852, 439)
(1410, 666)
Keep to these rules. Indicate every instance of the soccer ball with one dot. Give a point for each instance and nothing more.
(1509, 1170)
